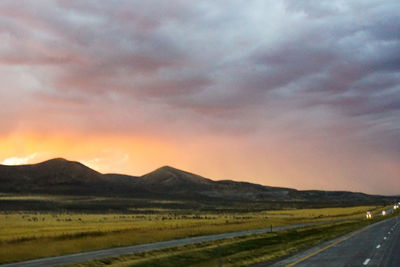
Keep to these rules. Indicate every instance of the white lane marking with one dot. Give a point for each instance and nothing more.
(378, 246)
(366, 261)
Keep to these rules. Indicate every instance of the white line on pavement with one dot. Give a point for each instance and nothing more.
(378, 246)
(366, 261)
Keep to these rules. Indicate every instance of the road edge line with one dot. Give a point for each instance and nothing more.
(325, 248)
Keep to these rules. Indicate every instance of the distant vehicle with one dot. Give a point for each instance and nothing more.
(369, 215)
(395, 207)
(383, 213)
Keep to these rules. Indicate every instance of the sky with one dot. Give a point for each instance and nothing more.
(301, 94)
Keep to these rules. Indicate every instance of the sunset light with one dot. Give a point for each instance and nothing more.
(267, 103)
(200, 133)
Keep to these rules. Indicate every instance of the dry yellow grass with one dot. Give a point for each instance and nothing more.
(32, 235)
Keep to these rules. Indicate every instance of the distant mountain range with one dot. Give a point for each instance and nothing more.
(63, 177)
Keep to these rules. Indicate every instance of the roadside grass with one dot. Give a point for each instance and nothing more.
(4, 196)
(25, 235)
(242, 251)
(327, 212)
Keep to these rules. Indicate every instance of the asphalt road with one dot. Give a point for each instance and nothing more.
(114, 252)
(374, 245)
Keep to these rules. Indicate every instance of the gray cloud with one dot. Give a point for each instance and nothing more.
(241, 67)
(158, 50)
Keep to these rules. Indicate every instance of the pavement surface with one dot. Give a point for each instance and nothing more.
(375, 245)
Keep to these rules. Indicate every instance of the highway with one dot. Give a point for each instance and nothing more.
(374, 245)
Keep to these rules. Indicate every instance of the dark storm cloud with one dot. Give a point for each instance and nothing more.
(211, 60)
(317, 82)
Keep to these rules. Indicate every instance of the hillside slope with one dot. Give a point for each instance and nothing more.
(63, 177)
(57, 176)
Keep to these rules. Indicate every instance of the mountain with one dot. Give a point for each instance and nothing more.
(63, 177)
(58, 176)
(168, 178)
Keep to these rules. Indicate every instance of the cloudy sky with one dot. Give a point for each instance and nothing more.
(303, 94)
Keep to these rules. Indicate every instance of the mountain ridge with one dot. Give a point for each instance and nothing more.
(61, 176)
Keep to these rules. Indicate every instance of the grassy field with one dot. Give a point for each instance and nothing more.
(27, 235)
(242, 251)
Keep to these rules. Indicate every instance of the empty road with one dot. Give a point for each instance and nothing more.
(374, 245)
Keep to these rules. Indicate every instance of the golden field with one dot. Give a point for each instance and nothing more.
(27, 235)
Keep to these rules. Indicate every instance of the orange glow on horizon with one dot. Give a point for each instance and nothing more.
(136, 155)
(120, 154)
(275, 164)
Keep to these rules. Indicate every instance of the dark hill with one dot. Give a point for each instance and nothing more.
(174, 182)
(57, 176)
(167, 178)
(62, 177)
